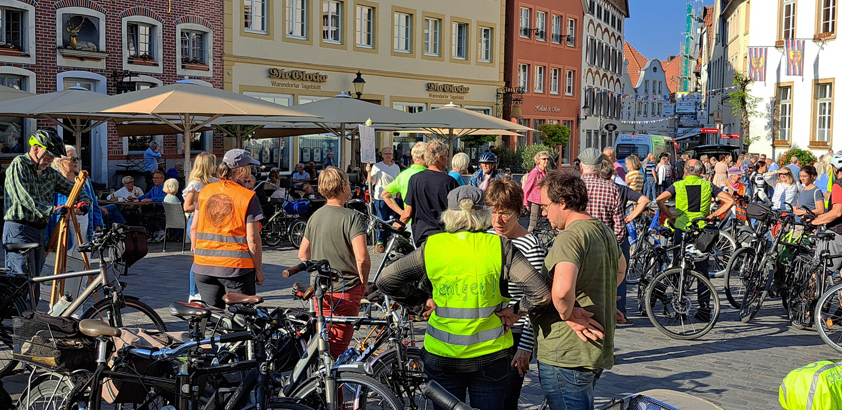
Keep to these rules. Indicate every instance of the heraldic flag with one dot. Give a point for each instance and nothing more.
(795, 58)
(757, 61)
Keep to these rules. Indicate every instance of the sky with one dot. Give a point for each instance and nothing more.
(656, 27)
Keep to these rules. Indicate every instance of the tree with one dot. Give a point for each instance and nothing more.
(743, 105)
(554, 134)
(477, 140)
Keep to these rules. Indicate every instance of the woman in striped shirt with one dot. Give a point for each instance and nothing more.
(650, 177)
(634, 178)
(506, 197)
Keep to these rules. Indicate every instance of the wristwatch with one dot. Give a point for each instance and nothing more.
(516, 308)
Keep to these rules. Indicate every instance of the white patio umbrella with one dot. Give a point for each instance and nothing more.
(459, 121)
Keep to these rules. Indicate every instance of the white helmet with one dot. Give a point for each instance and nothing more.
(836, 161)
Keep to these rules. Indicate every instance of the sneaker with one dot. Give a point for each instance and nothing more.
(702, 316)
(624, 322)
(159, 236)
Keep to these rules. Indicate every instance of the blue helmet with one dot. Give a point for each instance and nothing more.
(488, 157)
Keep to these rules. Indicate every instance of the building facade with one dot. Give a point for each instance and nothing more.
(797, 111)
(106, 47)
(602, 69)
(542, 55)
(645, 100)
(413, 56)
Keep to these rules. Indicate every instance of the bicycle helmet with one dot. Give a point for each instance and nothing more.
(836, 160)
(488, 157)
(48, 139)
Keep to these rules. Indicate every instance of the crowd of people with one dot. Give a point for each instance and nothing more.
(494, 295)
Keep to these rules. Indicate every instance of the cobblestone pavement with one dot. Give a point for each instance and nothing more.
(736, 365)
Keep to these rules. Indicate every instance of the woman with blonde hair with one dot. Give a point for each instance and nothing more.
(634, 178)
(204, 167)
(531, 192)
(459, 167)
(467, 343)
(785, 189)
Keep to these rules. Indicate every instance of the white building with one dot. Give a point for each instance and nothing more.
(645, 99)
(602, 68)
(797, 111)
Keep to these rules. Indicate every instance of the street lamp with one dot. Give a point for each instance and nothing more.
(359, 85)
(584, 112)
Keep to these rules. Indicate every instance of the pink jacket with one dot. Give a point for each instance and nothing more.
(531, 193)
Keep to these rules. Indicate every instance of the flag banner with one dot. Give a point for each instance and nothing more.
(795, 58)
(757, 60)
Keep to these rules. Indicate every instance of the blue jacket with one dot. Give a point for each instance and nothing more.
(156, 194)
(94, 214)
(478, 175)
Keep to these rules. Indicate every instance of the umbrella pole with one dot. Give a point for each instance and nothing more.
(341, 141)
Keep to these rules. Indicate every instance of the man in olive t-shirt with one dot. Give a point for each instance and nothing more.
(585, 264)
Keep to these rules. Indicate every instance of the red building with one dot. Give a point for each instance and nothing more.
(107, 47)
(543, 59)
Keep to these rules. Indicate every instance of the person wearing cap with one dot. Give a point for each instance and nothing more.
(227, 250)
(337, 234)
(28, 196)
(426, 195)
(461, 276)
(736, 189)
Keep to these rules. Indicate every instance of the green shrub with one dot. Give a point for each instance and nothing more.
(528, 154)
(508, 158)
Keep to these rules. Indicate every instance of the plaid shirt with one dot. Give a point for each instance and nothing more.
(28, 196)
(604, 204)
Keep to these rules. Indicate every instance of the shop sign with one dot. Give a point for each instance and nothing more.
(610, 127)
(544, 108)
(448, 88)
(710, 130)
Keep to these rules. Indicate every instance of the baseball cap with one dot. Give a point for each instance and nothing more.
(238, 158)
(591, 156)
(466, 191)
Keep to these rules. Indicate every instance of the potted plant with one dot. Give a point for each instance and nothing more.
(193, 64)
(10, 49)
(142, 59)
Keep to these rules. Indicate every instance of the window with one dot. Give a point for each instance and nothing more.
(569, 81)
(824, 111)
(554, 74)
(254, 15)
(332, 21)
(12, 28)
(524, 22)
(365, 26)
(828, 16)
(297, 18)
(788, 20)
(539, 79)
(460, 41)
(523, 76)
(619, 24)
(486, 44)
(556, 29)
(571, 33)
(193, 47)
(139, 42)
(432, 36)
(646, 87)
(599, 12)
(541, 26)
(403, 32)
(12, 128)
(590, 6)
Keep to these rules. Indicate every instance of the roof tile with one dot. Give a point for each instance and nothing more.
(636, 62)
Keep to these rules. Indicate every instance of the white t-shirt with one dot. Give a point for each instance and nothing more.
(124, 193)
(382, 175)
(196, 185)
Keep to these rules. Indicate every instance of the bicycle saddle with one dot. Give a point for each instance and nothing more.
(184, 310)
(826, 235)
(304, 289)
(239, 299)
(21, 247)
(96, 328)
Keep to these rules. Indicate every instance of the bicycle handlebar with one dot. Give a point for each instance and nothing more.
(442, 397)
(182, 349)
(387, 226)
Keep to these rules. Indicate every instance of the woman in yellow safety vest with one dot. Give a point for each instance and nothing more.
(463, 274)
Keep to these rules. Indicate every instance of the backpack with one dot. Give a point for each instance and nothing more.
(816, 386)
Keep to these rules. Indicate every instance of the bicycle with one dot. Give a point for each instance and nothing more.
(668, 299)
(115, 308)
(283, 225)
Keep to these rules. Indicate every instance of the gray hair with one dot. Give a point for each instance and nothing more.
(57, 164)
(460, 162)
(694, 168)
(127, 179)
(418, 152)
(466, 218)
(591, 169)
(435, 150)
(539, 155)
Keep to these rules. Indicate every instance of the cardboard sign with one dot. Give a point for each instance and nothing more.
(368, 154)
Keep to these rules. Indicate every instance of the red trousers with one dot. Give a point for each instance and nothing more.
(340, 335)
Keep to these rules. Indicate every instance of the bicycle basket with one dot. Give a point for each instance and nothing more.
(297, 207)
(637, 402)
(706, 239)
(38, 343)
(758, 211)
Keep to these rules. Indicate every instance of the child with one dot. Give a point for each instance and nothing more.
(171, 189)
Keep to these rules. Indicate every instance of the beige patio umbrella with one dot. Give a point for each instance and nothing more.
(185, 107)
(9, 93)
(459, 121)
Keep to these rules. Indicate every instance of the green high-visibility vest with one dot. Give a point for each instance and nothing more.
(812, 387)
(692, 200)
(465, 269)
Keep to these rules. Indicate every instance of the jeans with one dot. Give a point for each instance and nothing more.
(649, 188)
(385, 213)
(515, 384)
(568, 388)
(212, 288)
(114, 215)
(17, 233)
(194, 290)
(534, 215)
(621, 288)
(703, 298)
(484, 387)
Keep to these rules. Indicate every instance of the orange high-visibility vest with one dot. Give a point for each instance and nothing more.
(221, 231)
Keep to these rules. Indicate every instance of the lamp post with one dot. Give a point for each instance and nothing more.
(359, 85)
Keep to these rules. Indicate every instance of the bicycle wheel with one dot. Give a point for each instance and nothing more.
(828, 316)
(757, 289)
(801, 294)
(405, 383)
(296, 232)
(134, 314)
(285, 404)
(50, 393)
(7, 331)
(736, 275)
(354, 391)
(721, 254)
(674, 308)
(638, 264)
(271, 233)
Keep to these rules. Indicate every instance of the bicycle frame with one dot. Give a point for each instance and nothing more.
(100, 282)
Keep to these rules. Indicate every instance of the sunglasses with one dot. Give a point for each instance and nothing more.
(72, 159)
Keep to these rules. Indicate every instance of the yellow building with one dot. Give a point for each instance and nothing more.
(413, 55)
